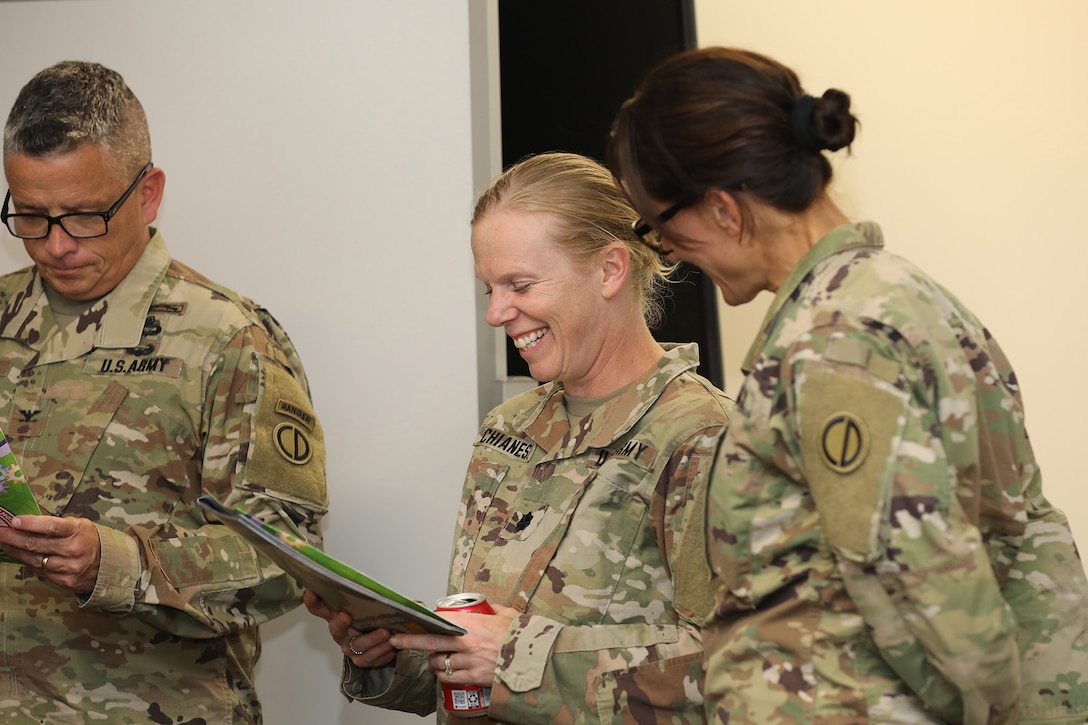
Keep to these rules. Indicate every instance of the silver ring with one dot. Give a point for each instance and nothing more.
(449, 667)
(351, 646)
(45, 562)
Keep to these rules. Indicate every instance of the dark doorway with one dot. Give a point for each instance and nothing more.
(565, 67)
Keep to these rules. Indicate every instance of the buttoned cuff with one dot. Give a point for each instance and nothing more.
(119, 570)
(408, 686)
(357, 683)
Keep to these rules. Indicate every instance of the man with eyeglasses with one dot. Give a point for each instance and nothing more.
(130, 385)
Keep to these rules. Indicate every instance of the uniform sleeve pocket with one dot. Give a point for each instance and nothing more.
(851, 425)
(207, 562)
(288, 452)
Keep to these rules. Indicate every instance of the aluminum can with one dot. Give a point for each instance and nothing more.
(465, 700)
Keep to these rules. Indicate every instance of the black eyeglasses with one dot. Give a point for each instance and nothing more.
(648, 234)
(78, 224)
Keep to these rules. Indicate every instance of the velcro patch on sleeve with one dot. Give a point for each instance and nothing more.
(849, 425)
(289, 445)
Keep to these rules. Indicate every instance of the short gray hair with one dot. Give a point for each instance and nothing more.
(76, 101)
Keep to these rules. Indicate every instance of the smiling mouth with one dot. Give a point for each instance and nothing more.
(527, 341)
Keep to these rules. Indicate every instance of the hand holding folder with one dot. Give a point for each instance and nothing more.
(371, 604)
(15, 495)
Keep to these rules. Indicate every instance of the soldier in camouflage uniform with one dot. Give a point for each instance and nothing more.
(129, 386)
(876, 514)
(582, 513)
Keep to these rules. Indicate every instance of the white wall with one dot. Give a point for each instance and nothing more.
(318, 159)
(972, 156)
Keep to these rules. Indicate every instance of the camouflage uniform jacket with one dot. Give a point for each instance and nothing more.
(596, 535)
(167, 388)
(878, 519)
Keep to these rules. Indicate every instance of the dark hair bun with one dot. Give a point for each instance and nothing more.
(833, 126)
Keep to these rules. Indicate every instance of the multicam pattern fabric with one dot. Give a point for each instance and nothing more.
(878, 520)
(595, 534)
(168, 388)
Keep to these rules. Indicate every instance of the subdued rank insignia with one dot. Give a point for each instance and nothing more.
(844, 442)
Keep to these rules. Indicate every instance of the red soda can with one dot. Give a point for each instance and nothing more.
(465, 700)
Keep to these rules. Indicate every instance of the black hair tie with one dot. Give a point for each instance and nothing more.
(801, 123)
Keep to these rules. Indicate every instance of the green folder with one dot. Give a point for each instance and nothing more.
(371, 604)
(15, 495)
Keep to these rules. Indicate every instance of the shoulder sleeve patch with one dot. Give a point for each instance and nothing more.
(288, 457)
(850, 425)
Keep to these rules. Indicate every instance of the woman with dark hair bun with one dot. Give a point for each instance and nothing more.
(876, 516)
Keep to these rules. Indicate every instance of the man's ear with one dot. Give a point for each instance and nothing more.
(150, 194)
(725, 211)
(615, 265)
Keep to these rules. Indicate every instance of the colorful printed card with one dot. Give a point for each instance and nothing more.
(15, 495)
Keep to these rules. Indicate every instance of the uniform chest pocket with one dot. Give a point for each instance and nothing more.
(543, 507)
(525, 520)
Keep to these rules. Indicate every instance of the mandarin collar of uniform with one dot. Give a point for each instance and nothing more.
(116, 320)
(546, 421)
(844, 237)
(130, 301)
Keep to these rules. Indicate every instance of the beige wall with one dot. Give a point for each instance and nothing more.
(974, 118)
(972, 157)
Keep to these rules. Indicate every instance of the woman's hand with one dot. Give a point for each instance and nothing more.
(364, 649)
(471, 657)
